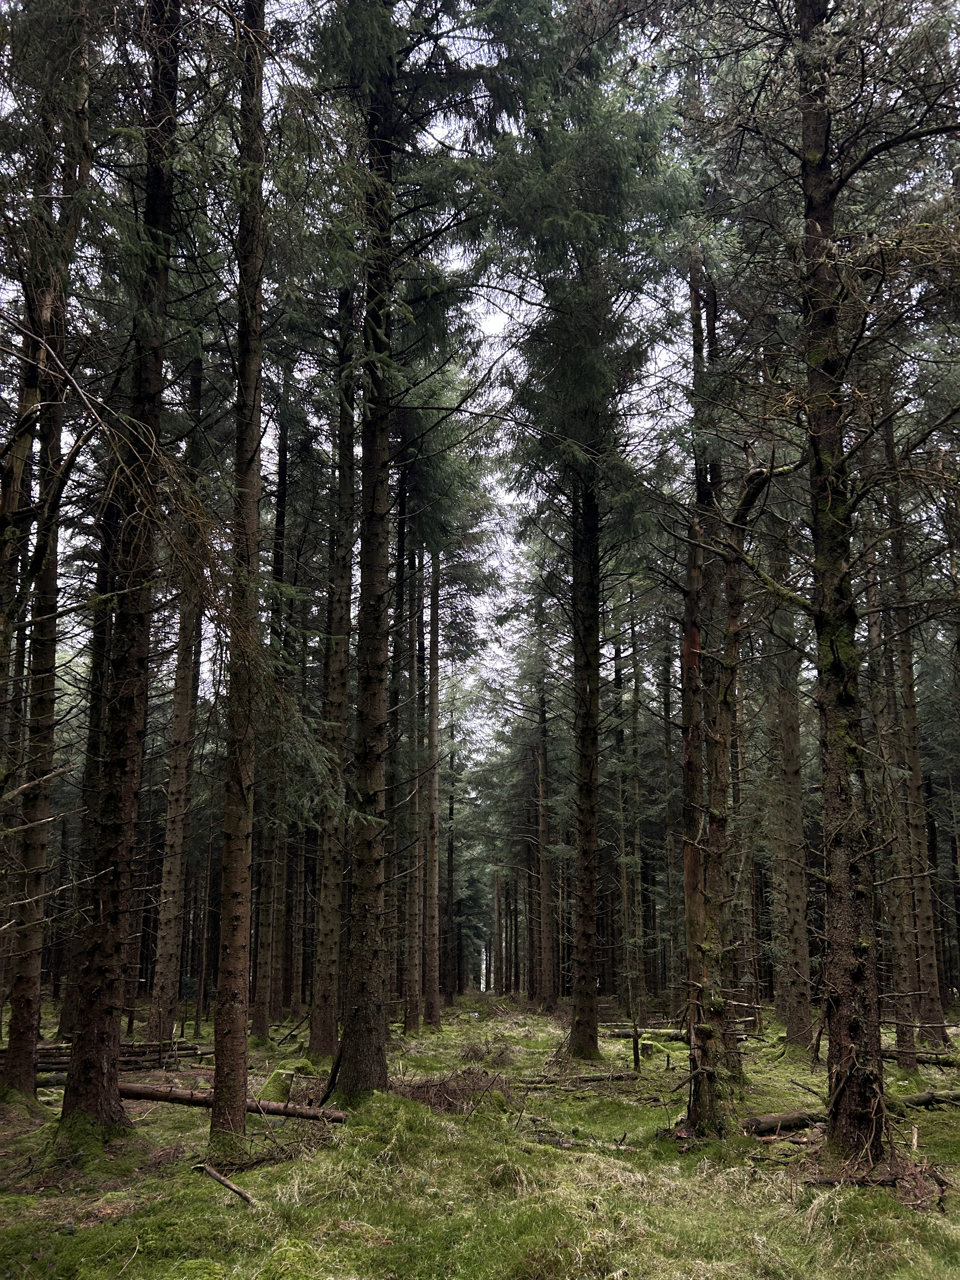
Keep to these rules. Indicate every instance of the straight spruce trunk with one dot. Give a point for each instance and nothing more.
(548, 931)
(718, 685)
(431, 889)
(92, 1081)
(52, 242)
(584, 1031)
(228, 1115)
(931, 1027)
(889, 808)
(450, 952)
(166, 980)
(855, 1122)
(413, 908)
(702, 1110)
(785, 822)
(324, 1024)
(23, 1032)
(271, 904)
(363, 1064)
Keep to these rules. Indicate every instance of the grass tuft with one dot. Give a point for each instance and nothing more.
(538, 1169)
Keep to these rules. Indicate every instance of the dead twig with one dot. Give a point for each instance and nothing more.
(209, 1170)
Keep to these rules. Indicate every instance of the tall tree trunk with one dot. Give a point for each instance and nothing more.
(855, 1112)
(166, 981)
(160, 195)
(431, 888)
(92, 1081)
(584, 1031)
(889, 808)
(263, 963)
(363, 1064)
(51, 244)
(326, 971)
(674, 944)
(702, 1111)
(932, 1027)
(548, 916)
(186, 688)
(271, 904)
(704, 843)
(19, 1066)
(497, 941)
(785, 822)
(718, 686)
(450, 952)
(296, 927)
(413, 918)
(233, 981)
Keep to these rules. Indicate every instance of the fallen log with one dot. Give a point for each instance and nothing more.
(925, 1059)
(929, 1098)
(650, 1033)
(204, 1098)
(782, 1121)
(124, 1065)
(128, 1048)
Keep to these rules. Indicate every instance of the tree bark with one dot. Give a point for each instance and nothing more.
(548, 929)
(363, 1065)
(51, 245)
(166, 979)
(586, 661)
(450, 953)
(856, 1117)
(413, 910)
(233, 982)
(785, 819)
(91, 1087)
(326, 973)
(431, 888)
(702, 1110)
(889, 808)
(23, 1032)
(931, 1029)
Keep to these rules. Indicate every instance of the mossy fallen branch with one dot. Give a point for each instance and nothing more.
(195, 1098)
(652, 1033)
(925, 1059)
(782, 1121)
(929, 1098)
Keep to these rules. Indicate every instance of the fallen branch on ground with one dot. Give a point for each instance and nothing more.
(652, 1033)
(196, 1098)
(929, 1098)
(209, 1170)
(782, 1121)
(924, 1059)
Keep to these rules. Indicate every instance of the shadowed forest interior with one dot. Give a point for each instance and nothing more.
(480, 510)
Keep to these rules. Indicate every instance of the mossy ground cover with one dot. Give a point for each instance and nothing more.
(539, 1174)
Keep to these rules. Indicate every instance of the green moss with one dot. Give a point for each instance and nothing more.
(22, 1104)
(80, 1140)
(299, 1066)
(568, 1181)
(277, 1087)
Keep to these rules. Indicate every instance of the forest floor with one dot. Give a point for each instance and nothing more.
(495, 1159)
